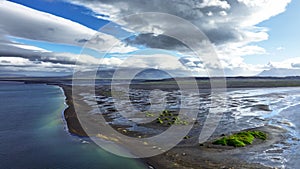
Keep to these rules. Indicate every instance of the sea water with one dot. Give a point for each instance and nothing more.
(33, 133)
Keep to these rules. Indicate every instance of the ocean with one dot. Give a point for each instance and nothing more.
(33, 133)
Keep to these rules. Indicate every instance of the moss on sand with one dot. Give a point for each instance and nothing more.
(241, 139)
(168, 118)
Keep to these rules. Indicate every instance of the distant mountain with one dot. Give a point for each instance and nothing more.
(125, 73)
(280, 72)
(12, 75)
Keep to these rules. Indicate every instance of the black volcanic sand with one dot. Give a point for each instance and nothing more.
(211, 156)
(70, 115)
(182, 156)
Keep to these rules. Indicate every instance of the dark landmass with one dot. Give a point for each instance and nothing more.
(74, 126)
(280, 72)
(203, 82)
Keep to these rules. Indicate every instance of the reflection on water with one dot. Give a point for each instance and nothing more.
(246, 108)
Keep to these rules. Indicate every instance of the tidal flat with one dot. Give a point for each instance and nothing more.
(269, 108)
(248, 109)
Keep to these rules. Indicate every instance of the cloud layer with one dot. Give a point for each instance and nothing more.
(23, 22)
(20, 21)
(231, 25)
(221, 20)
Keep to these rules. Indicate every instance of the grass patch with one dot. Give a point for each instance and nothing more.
(241, 139)
(148, 114)
(167, 118)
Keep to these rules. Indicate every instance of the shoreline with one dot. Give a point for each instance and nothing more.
(193, 156)
(62, 112)
(69, 114)
(70, 118)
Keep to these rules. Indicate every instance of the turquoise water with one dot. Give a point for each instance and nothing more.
(33, 135)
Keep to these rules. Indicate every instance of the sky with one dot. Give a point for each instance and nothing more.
(188, 37)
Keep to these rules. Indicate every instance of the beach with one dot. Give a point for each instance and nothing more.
(184, 156)
(266, 109)
(34, 133)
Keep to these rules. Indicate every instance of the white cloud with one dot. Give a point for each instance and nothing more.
(111, 62)
(234, 16)
(8, 48)
(10, 61)
(214, 3)
(20, 21)
(262, 10)
(157, 61)
(22, 65)
(288, 63)
(28, 47)
(280, 48)
(229, 24)
(209, 13)
(234, 50)
(223, 13)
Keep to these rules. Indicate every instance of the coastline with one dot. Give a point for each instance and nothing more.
(72, 123)
(179, 157)
(69, 114)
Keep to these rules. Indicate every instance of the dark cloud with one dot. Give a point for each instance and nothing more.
(18, 59)
(222, 35)
(156, 41)
(223, 21)
(194, 11)
(5, 61)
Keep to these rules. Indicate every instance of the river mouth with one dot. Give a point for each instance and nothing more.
(246, 109)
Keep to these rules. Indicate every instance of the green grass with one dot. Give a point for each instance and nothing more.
(241, 139)
(167, 118)
(148, 114)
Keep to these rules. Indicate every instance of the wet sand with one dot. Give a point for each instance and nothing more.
(192, 156)
(206, 156)
(211, 156)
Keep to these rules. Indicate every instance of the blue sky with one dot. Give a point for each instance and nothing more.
(66, 10)
(283, 33)
(53, 32)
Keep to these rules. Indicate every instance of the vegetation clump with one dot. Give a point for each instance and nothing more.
(241, 139)
(168, 118)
